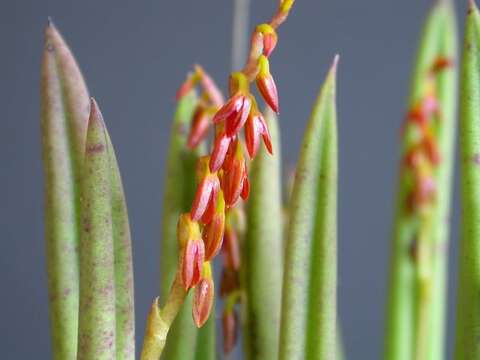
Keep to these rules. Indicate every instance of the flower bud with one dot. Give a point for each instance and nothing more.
(220, 148)
(199, 127)
(192, 262)
(266, 84)
(213, 232)
(203, 297)
(231, 249)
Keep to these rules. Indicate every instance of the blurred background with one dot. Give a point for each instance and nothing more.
(134, 55)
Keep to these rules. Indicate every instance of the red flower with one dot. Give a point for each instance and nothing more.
(203, 297)
(220, 148)
(266, 84)
(234, 178)
(206, 195)
(192, 262)
(199, 127)
(255, 127)
(213, 232)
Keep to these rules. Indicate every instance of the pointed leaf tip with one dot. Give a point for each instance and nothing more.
(334, 66)
(95, 113)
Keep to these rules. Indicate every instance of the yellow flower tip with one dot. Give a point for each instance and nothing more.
(263, 66)
(286, 5)
(207, 270)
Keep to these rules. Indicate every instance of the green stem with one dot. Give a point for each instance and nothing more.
(64, 113)
(160, 320)
(264, 250)
(468, 309)
(308, 321)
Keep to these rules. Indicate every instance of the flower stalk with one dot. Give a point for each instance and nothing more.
(416, 307)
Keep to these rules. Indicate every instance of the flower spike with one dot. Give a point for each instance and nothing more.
(266, 84)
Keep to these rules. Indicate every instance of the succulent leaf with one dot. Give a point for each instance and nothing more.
(308, 322)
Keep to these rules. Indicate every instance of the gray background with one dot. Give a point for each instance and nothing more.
(134, 54)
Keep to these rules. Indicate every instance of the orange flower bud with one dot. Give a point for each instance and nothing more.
(266, 84)
(199, 127)
(245, 187)
(230, 156)
(213, 232)
(231, 108)
(231, 249)
(254, 127)
(236, 121)
(220, 148)
(192, 262)
(230, 330)
(206, 195)
(203, 297)
(233, 179)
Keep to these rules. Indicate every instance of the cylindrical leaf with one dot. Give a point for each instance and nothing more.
(124, 296)
(97, 310)
(308, 323)
(468, 308)
(264, 251)
(65, 107)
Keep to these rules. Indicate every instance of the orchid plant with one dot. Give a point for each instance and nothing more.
(224, 199)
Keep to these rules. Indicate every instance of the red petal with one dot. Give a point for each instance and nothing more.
(245, 188)
(268, 89)
(236, 121)
(192, 262)
(233, 105)
(199, 129)
(202, 197)
(252, 136)
(213, 236)
(212, 204)
(220, 148)
(269, 43)
(202, 301)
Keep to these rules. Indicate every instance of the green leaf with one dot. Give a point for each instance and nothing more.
(65, 108)
(415, 322)
(264, 251)
(124, 295)
(97, 325)
(468, 309)
(308, 323)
